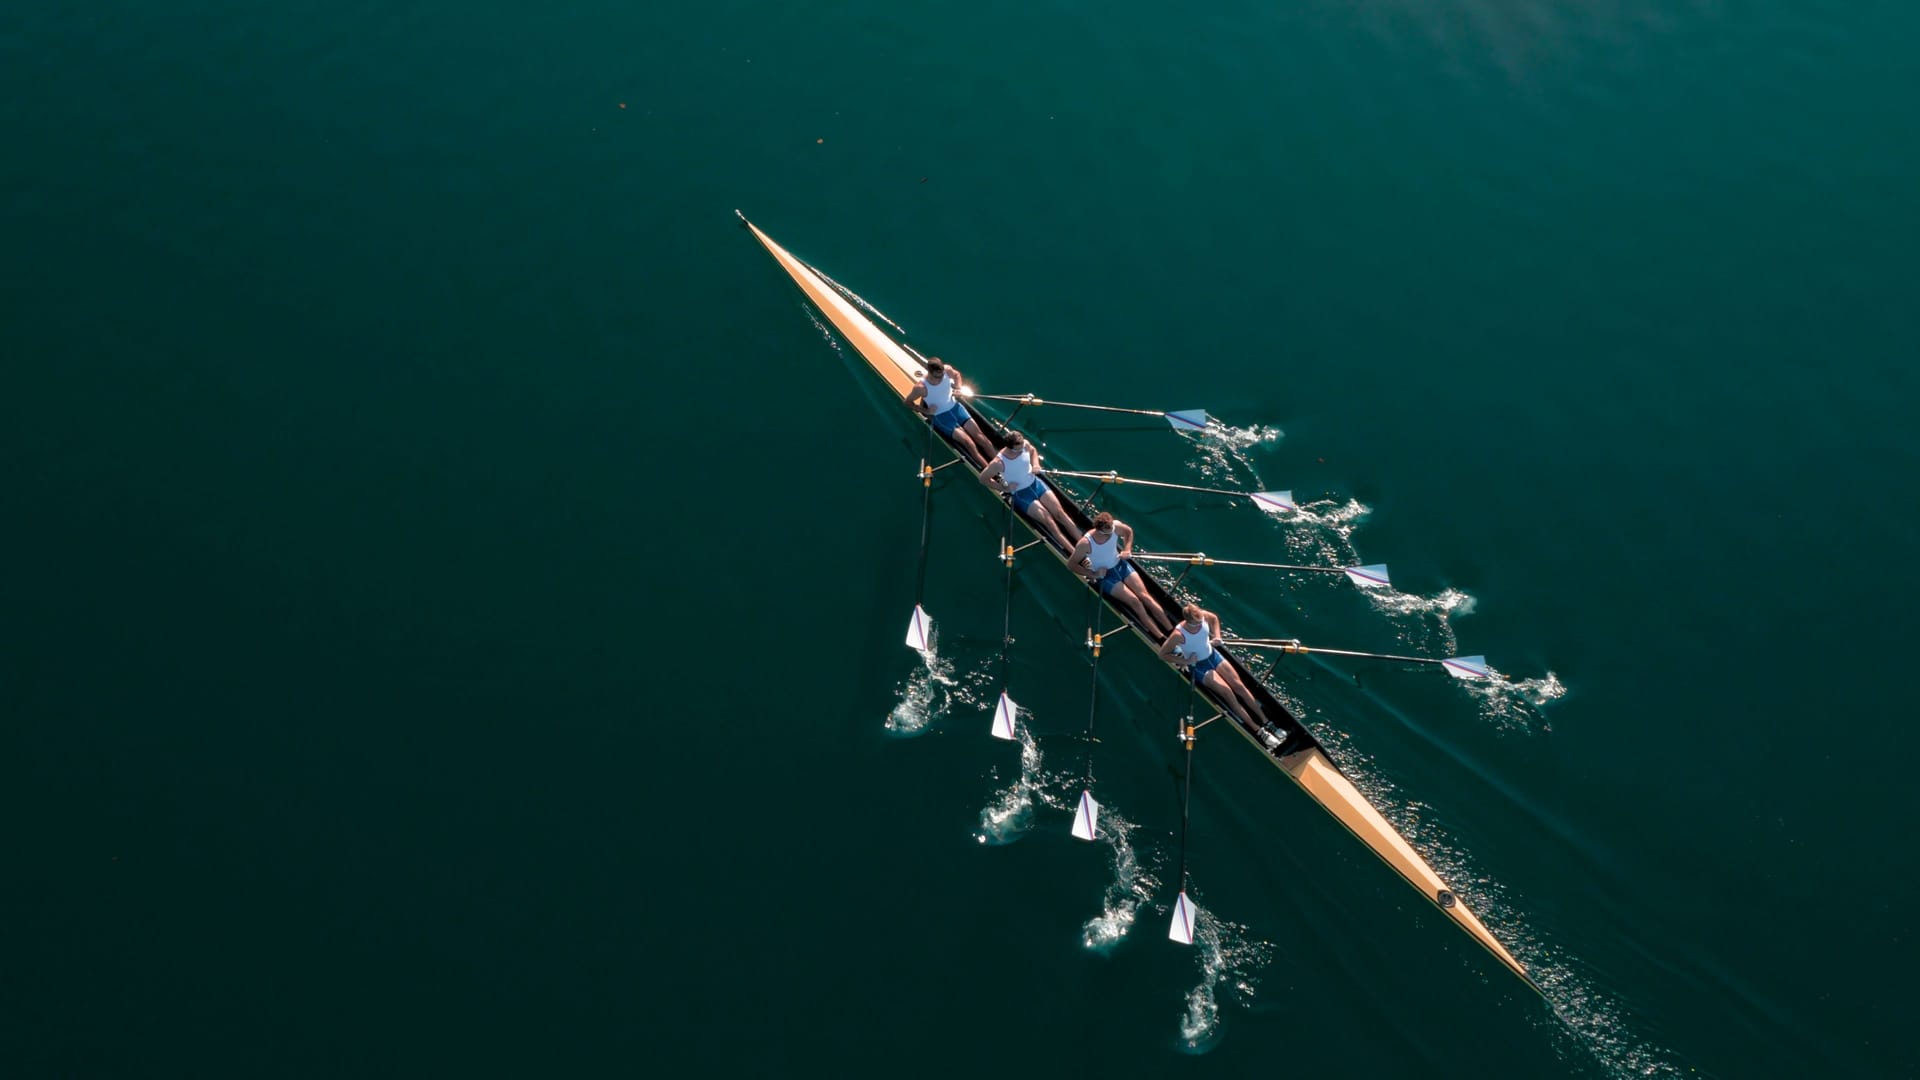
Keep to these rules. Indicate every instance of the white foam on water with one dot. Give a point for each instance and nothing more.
(1516, 705)
(1221, 451)
(1132, 886)
(1230, 966)
(1431, 617)
(926, 695)
(1009, 812)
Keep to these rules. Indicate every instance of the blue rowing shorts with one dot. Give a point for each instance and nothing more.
(1116, 574)
(1028, 495)
(952, 420)
(1199, 671)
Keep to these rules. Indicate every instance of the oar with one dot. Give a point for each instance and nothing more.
(1182, 420)
(1086, 816)
(1005, 710)
(1367, 577)
(920, 627)
(1274, 502)
(1184, 913)
(1460, 667)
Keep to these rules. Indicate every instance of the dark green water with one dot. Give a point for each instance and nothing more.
(388, 414)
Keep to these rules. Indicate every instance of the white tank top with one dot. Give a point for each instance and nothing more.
(1196, 647)
(1017, 471)
(1103, 556)
(939, 394)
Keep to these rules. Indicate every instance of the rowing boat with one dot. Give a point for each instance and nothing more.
(1289, 745)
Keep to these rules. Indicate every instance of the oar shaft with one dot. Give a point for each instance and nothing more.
(1296, 647)
(1198, 559)
(1116, 478)
(1030, 400)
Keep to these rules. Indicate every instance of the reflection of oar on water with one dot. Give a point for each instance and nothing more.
(1273, 502)
(1367, 577)
(1182, 420)
(1460, 667)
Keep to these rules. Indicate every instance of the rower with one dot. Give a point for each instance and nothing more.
(1012, 473)
(1102, 557)
(933, 397)
(1191, 647)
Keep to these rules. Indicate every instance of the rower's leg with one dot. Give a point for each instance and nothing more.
(979, 447)
(1064, 526)
(1046, 510)
(1240, 690)
(1218, 684)
(1150, 612)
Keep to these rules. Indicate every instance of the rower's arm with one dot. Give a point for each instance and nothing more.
(1125, 532)
(1170, 647)
(992, 472)
(917, 395)
(1213, 627)
(1080, 552)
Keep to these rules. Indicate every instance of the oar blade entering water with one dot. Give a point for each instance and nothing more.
(1467, 667)
(1184, 915)
(919, 629)
(1086, 818)
(1369, 577)
(1189, 420)
(1275, 502)
(1003, 717)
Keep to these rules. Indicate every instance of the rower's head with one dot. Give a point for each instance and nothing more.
(936, 369)
(1016, 444)
(1103, 524)
(1193, 614)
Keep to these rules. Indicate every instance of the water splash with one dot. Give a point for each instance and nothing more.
(1009, 812)
(1221, 451)
(1517, 704)
(1229, 960)
(1132, 886)
(1436, 632)
(926, 695)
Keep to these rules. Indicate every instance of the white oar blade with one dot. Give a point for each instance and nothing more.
(1086, 819)
(1189, 420)
(1003, 717)
(1369, 577)
(1275, 502)
(1183, 919)
(1467, 667)
(919, 629)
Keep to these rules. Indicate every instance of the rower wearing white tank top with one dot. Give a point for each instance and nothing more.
(1102, 557)
(934, 396)
(1014, 472)
(1190, 647)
